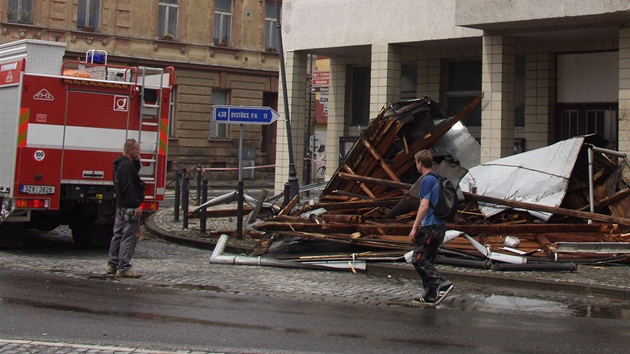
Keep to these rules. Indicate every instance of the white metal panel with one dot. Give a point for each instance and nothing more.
(84, 138)
(539, 176)
(42, 57)
(44, 136)
(9, 120)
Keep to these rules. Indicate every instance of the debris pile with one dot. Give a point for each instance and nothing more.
(527, 209)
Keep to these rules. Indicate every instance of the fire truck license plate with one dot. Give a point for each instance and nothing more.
(30, 189)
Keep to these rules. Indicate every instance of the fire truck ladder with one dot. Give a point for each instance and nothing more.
(152, 83)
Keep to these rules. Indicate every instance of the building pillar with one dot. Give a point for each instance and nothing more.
(540, 96)
(624, 90)
(385, 77)
(497, 111)
(336, 126)
(296, 72)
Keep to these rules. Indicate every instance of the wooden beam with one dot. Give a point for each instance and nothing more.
(361, 185)
(379, 159)
(548, 209)
(383, 182)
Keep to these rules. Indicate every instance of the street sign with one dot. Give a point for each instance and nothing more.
(244, 115)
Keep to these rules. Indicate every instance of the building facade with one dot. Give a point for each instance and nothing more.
(548, 70)
(223, 52)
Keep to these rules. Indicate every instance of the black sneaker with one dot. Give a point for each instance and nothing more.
(424, 302)
(442, 293)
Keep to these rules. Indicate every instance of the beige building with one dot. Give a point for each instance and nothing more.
(223, 52)
(549, 70)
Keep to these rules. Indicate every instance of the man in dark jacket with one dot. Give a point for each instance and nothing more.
(129, 190)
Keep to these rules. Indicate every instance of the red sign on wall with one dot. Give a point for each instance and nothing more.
(320, 79)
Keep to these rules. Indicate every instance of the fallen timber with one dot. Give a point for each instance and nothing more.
(378, 176)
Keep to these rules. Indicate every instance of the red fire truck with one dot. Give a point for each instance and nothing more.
(62, 124)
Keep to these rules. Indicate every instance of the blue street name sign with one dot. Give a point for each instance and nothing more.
(244, 115)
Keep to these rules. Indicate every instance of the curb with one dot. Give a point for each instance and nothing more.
(156, 231)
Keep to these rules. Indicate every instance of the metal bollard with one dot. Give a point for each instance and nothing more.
(178, 186)
(286, 195)
(198, 183)
(204, 213)
(185, 195)
(239, 211)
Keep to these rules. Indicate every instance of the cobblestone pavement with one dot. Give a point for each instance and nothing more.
(609, 280)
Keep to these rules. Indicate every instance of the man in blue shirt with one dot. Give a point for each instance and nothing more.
(427, 234)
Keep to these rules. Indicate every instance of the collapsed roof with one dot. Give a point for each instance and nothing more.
(541, 198)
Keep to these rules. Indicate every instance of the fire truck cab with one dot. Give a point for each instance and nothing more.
(62, 124)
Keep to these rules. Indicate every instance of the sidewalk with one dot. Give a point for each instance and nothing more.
(610, 281)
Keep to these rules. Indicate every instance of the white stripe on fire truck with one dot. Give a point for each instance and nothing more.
(83, 138)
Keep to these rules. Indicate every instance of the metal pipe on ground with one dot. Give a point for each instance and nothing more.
(570, 266)
(469, 263)
(218, 257)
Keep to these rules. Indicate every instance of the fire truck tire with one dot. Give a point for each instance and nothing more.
(45, 227)
(12, 234)
(92, 234)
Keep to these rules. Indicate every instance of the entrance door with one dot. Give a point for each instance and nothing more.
(588, 118)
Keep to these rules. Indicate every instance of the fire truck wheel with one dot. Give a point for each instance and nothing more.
(11, 234)
(82, 234)
(45, 227)
(92, 234)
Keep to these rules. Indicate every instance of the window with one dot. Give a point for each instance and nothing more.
(360, 93)
(577, 119)
(568, 123)
(271, 30)
(88, 15)
(222, 22)
(20, 11)
(220, 97)
(167, 19)
(463, 84)
(408, 81)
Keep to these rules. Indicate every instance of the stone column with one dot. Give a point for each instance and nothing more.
(385, 77)
(497, 114)
(336, 126)
(540, 96)
(296, 71)
(624, 90)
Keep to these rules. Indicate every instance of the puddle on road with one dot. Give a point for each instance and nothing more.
(502, 304)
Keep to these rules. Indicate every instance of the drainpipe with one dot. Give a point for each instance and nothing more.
(590, 182)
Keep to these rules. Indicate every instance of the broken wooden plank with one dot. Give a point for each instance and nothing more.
(358, 204)
(548, 247)
(383, 182)
(290, 205)
(495, 229)
(379, 159)
(365, 189)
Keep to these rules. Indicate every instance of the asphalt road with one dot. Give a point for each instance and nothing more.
(51, 291)
(42, 306)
